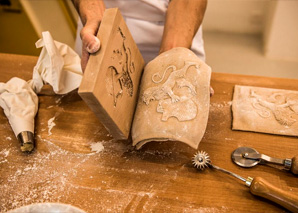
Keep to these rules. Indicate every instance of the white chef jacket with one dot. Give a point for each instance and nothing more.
(145, 20)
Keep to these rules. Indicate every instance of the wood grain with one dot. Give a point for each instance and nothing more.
(158, 178)
(262, 188)
(111, 79)
(294, 166)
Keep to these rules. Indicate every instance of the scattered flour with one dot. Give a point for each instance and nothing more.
(51, 124)
(8, 138)
(97, 147)
(229, 139)
(146, 193)
(41, 180)
(58, 100)
(6, 154)
(222, 105)
(44, 179)
(206, 209)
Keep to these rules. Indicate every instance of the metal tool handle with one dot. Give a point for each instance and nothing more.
(289, 164)
(262, 188)
(264, 158)
(294, 166)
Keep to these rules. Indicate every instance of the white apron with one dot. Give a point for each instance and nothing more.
(145, 19)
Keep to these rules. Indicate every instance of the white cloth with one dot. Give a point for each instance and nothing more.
(20, 104)
(57, 65)
(145, 19)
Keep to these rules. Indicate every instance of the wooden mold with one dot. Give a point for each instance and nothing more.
(111, 78)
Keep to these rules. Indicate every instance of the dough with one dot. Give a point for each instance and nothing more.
(265, 110)
(174, 99)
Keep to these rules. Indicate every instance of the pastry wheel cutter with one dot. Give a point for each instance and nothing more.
(257, 186)
(249, 157)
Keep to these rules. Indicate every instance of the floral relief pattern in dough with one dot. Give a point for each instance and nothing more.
(170, 104)
(267, 110)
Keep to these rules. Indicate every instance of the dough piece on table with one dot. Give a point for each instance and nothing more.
(266, 110)
(174, 99)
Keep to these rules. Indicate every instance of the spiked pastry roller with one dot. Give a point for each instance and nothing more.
(257, 186)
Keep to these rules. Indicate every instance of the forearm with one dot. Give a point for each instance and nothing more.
(183, 20)
(90, 11)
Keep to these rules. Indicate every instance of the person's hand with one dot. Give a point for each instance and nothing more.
(90, 43)
(91, 13)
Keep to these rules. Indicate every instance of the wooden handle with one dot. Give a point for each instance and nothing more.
(262, 188)
(294, 167)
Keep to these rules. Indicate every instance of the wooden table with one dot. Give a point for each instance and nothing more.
(158, 178)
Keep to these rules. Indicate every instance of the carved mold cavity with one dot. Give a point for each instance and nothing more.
(118, 76)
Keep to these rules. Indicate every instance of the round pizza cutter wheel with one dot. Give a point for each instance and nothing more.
(249, 157)
(257, 186)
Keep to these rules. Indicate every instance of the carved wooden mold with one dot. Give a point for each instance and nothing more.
(111, 79)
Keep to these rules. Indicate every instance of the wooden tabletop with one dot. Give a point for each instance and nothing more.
(158, 178)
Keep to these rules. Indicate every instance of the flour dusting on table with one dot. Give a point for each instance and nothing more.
(51, 124)
(96, 147)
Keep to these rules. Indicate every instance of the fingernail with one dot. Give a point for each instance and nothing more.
(94, 46)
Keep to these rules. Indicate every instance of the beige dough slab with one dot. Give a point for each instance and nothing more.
(111, 79)
(266, 110)
(174, 99)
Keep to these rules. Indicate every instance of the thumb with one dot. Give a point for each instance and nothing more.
(91, 43)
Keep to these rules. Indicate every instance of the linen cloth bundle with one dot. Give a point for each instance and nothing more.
(58, 65)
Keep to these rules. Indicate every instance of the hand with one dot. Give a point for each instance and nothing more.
(90, 43)
(91, 13)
